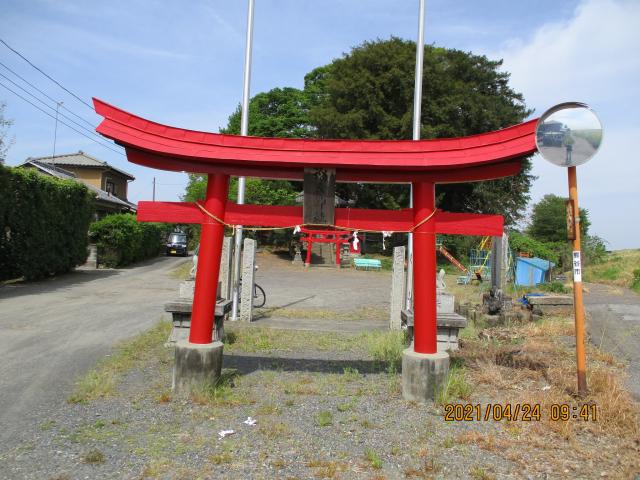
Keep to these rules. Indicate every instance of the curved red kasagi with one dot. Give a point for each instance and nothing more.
(153, 144)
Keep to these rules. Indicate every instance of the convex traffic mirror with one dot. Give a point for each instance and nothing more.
(569, 134)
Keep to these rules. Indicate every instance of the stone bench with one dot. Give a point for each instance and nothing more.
(180, 311)
(550, 304)
(449, 326)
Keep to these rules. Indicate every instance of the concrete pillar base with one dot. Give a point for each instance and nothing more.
(423, 374)
(196, 365)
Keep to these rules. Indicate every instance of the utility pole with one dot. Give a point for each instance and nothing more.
(244, 131)
(417, 112)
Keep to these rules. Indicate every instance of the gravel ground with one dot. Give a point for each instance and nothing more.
(141, 432)
(324, 409)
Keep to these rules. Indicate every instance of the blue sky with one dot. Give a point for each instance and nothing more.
(181, 63)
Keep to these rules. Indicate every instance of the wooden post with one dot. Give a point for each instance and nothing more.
(204, 297)
(424, 270)
(581, 359)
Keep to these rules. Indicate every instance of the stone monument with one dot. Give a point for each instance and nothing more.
(449, 323)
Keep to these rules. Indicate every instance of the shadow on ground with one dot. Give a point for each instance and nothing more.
(246, 364)
(52, 284)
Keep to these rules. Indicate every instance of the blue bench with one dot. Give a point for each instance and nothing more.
(367, 263)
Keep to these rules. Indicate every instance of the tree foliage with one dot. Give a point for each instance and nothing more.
(281, 112)
(43, 224)
(122, 240)
(368, 94)
(549, 220)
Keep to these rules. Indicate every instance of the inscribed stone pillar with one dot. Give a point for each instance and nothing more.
(248, 279)
(397, 288)
(225, 268)
(319, 208)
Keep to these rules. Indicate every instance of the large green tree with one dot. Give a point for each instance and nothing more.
(549, 220)
(368, 94)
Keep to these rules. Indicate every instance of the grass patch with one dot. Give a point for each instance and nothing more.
(222, 392)
(361, 313)
(373, 458)
(619, 269)
(324, 418)
(386, 348)
(182, 271)
(101, 381)
(93, 456)
(382, 345)
(635, 283)
(261, 339)
(456, 385)
(479, 473)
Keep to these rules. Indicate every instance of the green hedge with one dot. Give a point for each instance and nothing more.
(121, 240)
(43, 224)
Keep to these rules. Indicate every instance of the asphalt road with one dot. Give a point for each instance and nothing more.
(53, 331)
(613, 324)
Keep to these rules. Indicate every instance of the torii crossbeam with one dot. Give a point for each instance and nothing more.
(422, 163)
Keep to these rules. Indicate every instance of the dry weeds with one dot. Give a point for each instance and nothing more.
(531, 365)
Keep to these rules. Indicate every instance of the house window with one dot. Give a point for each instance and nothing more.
(110, 188)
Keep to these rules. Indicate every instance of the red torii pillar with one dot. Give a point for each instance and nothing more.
(206, 287)
(425, 338)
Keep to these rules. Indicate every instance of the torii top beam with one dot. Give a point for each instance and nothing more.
(474, 158)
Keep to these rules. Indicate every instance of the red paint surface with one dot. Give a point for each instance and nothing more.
(424, 271)
(349, 218)
(204, 297)
(193, 150)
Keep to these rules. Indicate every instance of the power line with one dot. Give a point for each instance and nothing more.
(45, 74)
(65, 124)
(45, 94)
(100, 139)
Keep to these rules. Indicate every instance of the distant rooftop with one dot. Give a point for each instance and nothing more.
(56, 171)
(78, 159)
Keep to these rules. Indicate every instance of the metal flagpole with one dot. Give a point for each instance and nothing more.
(244, 130)
(417, 110)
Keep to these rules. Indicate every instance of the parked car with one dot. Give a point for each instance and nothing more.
(177, 244)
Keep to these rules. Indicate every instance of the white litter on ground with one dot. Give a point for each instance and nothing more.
(225, 433)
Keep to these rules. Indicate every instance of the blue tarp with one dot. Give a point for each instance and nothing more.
(531, 271)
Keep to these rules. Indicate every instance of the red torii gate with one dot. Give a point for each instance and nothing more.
(422, 163)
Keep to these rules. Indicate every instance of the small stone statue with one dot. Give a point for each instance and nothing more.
(440, 285)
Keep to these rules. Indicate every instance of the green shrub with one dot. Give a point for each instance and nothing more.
(554, 287)
(43, 224)
(523, 243)
(122, 240)
(635, 283)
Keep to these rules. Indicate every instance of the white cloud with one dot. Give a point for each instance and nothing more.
(591, 57)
